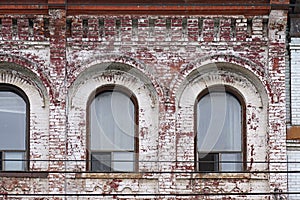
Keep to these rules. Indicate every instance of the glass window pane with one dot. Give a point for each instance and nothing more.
(17, 163)
(1, 168)
(13, 121)
(209, 162)
(231, 162)
(101, 134)
(219, 123)
(112, 122)
(101, 162)
(123, 114)
(123, 161)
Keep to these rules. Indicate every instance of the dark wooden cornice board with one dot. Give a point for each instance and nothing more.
(149, 7)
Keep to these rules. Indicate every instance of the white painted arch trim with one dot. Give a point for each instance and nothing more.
(38, 98)
(250, 89)
(118, 74)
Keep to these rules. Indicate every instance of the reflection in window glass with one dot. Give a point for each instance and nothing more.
(123, 161)
(112, 132)
(101, 161)
(219, 136)
(230, 161)
(14, 161)
(13, 121)
(12, 129)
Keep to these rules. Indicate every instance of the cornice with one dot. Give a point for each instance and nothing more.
(154, 7)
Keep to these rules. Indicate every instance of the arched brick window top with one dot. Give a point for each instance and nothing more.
(242, 87)
(133, 84)
(112, 119)
(220, 139)
(14, 126)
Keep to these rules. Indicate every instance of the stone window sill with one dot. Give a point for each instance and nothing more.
(149, 175)
(240, 175)
(116, 175)
(22, 174)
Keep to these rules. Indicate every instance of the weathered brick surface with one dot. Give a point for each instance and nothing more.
(295, 112)
(166, 62)
(277, 25)
(293, 146)
(293, 158)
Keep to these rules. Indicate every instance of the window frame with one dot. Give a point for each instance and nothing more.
(235, 93)
(18, 91)
(132, 97)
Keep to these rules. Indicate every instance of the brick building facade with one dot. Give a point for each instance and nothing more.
(293, 104)
(59, 57)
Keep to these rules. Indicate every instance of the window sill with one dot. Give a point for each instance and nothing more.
(182, 176)
(22, 174)
(116, 175)
(230, 175)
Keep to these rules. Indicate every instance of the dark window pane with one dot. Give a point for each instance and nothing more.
(101, 162)
(208, 162)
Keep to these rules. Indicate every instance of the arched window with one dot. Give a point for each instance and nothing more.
(112, 131)
(219, 132)
(14, 114)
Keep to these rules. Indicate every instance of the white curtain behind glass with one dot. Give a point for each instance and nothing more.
(112, 122)
(219, 123)
(12, 121)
